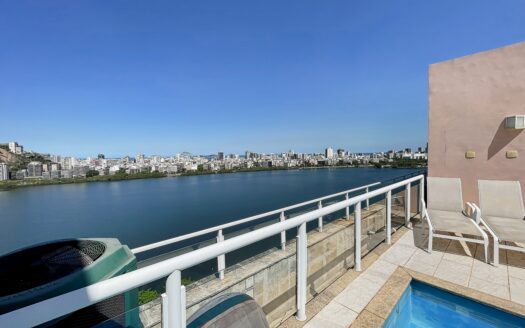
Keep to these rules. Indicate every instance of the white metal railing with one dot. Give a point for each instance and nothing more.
(221, 259)
(174, 311)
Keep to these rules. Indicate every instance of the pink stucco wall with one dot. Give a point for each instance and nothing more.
(469, 98)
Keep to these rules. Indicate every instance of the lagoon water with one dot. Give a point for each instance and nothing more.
(139, 212)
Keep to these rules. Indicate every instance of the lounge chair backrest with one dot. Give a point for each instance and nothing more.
(501, 198)
(444, 194)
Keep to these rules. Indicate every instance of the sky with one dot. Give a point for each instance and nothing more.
(163, 77)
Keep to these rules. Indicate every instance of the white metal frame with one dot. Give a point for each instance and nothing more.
(173, 302)
(497, 241)
(432, 234)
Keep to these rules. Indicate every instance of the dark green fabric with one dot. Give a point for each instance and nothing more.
(218, 309)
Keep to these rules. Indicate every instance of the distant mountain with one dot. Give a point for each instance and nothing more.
(18, 162)
(7, 157)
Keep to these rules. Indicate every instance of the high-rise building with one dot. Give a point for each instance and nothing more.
(140, 158)
(4, 172)
(220, 156)
(56, 158)
(341, 152)
(55, 167)
(329, 152)
(68, 162)
(34, 169)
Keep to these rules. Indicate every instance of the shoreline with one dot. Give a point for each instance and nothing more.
(15, 184)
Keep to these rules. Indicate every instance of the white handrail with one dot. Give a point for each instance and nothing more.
(64, 304)
(166, 242)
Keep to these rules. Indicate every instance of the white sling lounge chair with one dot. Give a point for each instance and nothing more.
(502, 213)
(444, 213)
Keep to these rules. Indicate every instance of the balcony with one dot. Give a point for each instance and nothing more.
(350, 271)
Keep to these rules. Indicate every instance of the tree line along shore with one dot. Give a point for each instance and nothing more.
(121, 176)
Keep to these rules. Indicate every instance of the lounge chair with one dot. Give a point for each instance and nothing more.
(445, 213)
(502, 213)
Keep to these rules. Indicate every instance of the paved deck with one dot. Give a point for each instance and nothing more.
(456, 262)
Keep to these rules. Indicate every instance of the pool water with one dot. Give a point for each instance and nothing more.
(422, 305)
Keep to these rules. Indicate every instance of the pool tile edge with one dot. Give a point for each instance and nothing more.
(379, 308)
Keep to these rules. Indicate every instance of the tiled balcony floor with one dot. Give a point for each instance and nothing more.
(457, 262)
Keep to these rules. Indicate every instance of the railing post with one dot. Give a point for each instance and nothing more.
(177, 315)
(421, 196)
(407, 205)
(302, 271)
(388, 217)
(347, 209)
(283, 233)
(221, 259)
(183, 306)
(165, 310)
(357, 236)
(320, 220)
(367, 200)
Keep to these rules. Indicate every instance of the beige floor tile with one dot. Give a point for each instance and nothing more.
(460, 259)
(440, 244)
(516, 272)
(460, 252)
(417, 265)
(398, 254)
(425, 257)
(333, 315)
(358, 294)
(380, 271)
(453, 272)
(407, 239)
(489, 287)
(517, 290)
(488, 272)
(516, 259)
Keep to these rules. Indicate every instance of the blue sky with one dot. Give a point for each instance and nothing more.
(162, 77)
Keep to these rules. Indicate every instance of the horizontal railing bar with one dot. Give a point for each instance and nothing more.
(61, 305)
(241, 221)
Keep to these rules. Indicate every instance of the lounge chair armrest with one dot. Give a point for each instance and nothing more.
(424, 209)
(472, 211)
(476, 212)
(425, 215)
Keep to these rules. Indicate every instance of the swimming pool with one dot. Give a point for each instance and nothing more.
(422, 305)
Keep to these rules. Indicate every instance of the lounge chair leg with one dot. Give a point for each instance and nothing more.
(496, 252)
(486, 247)
(430, 237)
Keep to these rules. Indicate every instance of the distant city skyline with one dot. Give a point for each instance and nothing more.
(13, 145)
(54, 167)
(89, 77)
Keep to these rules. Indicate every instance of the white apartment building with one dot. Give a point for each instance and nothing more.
(15, 148)
(329, 152)
(4, 172)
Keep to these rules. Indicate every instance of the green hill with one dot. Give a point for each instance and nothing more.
(19, 162)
